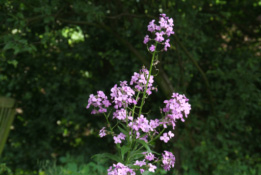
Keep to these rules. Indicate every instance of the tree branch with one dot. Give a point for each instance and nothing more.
(199, 69)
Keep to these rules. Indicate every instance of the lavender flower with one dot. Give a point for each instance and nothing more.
(176, 108)
(122, 96)
(120, 114)
(146, 39)
(128, 111)
(152, 48)
(120, 169)
(119, 138)
(102, 132)
(165, 137)
(140, 163)
(140, 80)
(99, 101)
(152, 168)
(149, 156)
(168, 160)
(161, 32)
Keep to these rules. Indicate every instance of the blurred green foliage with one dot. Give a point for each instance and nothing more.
(55, 53)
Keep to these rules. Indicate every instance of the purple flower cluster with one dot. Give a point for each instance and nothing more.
(122, 96)
(161, 32)
(142, 124)
(175, 108)
(99, 101)
(168, 160)
(120, 114)
(119, 138)
(120, 169)
(139, 80)
(167, 136)
(136, 126)
(144, 164)
(142, 128)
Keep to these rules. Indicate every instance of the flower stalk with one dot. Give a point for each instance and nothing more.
(134, 133)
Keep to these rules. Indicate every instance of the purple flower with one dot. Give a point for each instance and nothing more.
(140, 81)
(176, 108)
(165, 137)
(140, 163)
(144, 138)
(152, 48)
(116, 139)
(120, 114)
(146, 39)
(166, 45)
(159, 36)
(154, 124)
(102, 132)
(170, 134)
(152, 26)
(122, 96)
(152, 168)
(120, 169)
(149, 156)
(119, 138)
(99, 102)
(160, 32)
(168, 160)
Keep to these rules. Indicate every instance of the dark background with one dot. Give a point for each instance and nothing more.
(54, 53)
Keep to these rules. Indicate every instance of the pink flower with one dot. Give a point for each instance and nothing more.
(166, 45)
(119, 138)
(170, 134)
(150, 156)
(152, 26)
(152, 48)
(99, 102)
(176, 108)
(102, 132)
(159, 36)
(116, 140)
(122, 96)
(146, 39)
(168, 160)
(160, 32)
(120, 169)
(165, 137)
(152, 168)
(140, 163)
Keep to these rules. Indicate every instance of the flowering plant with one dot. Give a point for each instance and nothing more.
(133, 132)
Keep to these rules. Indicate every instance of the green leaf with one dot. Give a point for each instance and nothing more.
(135, 155)
(124, 150)
(9, 45)
(144, 144)
(108, 156)
(72, 167)
(13, 62)
(123, 130)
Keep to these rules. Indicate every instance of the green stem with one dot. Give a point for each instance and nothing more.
(157, 136)
(146, 87)
(108, 122)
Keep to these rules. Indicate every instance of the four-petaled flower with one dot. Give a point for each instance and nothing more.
(152, 48)
(140, 127)
(165, 137)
